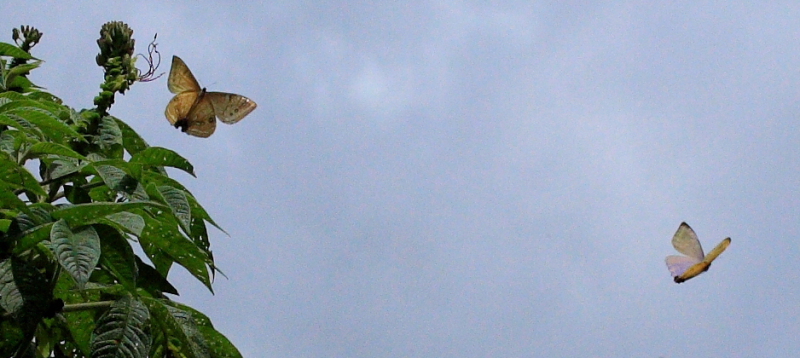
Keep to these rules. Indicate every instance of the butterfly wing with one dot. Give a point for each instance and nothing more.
(717, 250)
(686, 242)
(180, 78)
(229, 107)
(200, 121)
(693, 271)
(179, 106)
(678, 265)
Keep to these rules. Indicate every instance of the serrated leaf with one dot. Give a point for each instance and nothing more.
(10, 50)
(121, 331)
(78, 252)
(162, 157)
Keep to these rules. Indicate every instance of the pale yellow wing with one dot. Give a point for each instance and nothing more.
(703, 266)
(180, 78)
(693, 271)
(200, 121)
(180, 105)
(686, 242)
(229, 107)
(717, 250)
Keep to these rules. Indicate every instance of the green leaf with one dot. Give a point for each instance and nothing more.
(121, 331)
(79, 323)
(10, 201)
(197, 210)
(161, 235)
(15, 71)
(4, 225)
(83, 214)
(12, 336)
(78, 252)
(13, 142)
(62, 167)
(18, 177)
(126, 221)
(117, 256)
(44, 96)
(179, 326)
(218, 344)
(55, 149)
(33, 237)
(31, 228)
(24, 292)
(153, 281)
(39, 214)
(48, 123)
(119, 180)
(162, 157)
(131, 140)
(26, 103)
(23, 125)
(77, 119)
(11, 299)
(8, 97)
(23, 84)
(110, 133)
(176, 200)
(10, 50)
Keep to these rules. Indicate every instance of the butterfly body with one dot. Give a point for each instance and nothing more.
(194, 110)
(695, 262)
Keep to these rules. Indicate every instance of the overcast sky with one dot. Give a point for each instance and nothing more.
(466, 179)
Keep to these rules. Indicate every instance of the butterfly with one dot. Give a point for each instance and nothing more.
(194, 110)
(694, 263)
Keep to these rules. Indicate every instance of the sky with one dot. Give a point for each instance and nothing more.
(476, 179)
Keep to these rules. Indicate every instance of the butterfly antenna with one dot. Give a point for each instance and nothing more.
(151, 64)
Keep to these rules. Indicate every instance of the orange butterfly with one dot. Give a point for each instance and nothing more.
(194, 110)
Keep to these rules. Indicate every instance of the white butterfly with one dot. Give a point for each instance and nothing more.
(694, 263)
(194, 110)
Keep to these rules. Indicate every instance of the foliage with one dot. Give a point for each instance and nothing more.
(70, 282)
